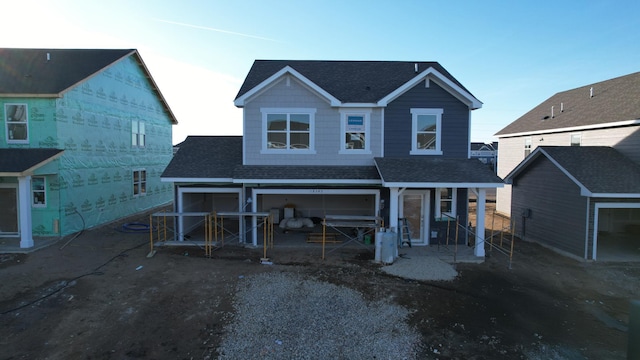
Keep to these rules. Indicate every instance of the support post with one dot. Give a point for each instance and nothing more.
(393, 207)
(24, 218)
(480, 212)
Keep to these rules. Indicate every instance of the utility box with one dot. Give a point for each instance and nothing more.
(275, 215)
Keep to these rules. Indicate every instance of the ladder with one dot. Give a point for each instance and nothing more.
(405, 232)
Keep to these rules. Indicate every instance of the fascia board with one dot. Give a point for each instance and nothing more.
(241, 101)
(475, 103)
(196, 180)
(307, 181)
(614, 195)
(441, 185)
(572, 128)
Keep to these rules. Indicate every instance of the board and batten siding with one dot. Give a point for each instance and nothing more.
(288, 92)
(558, 212)
(455, 121)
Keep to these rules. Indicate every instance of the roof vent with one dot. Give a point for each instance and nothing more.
(415, 67)
(48, 57)
(552, 116)
(591, 92)
(561, 107)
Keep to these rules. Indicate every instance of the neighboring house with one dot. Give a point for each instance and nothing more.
(567, 198)
(352, 138)
(85, 136)
(487, 153)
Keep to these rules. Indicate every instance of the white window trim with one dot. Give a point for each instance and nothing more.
(528, 141)
(454, 201)
(344, 115)
(414, 131)
(312, 121)
(44, 191)
(6, 120)
(133, 182)
(139, 132)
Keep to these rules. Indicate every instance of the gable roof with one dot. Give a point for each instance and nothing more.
(614, 102)
(22, 162)
(427, 171)
(599, 171)
(355, 82)
(52, 72)
(200, 158)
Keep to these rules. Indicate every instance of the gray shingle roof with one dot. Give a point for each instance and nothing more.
(266, 172)
(206, 157)
(27, 71)
(49, 72)
(600, 169)
(20, 160)
(435, 170)
(613, 100)
(348, 81)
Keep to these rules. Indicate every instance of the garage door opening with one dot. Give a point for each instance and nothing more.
(618, 232)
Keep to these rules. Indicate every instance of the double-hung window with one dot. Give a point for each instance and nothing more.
(446, 202)
(138, 136)
(355, 132)
(288, 130)
(17, 123)
(426, 131)
(38, 190)
(139, 182)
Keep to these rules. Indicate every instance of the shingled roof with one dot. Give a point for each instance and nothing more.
(429, 171)
(21, 162)
(206, 157)
(601, 103)
(348, 81)
(308, 174)
(51, 72)
(595, 169)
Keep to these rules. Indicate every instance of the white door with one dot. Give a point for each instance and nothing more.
(9, 215)
(414, 206)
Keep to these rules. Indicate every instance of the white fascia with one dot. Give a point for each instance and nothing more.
(241, 101)
(197, 180)
(456, 90)
(442, 185)
(573, 128)
(307, 181)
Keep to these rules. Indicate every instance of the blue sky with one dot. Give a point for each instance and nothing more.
(511, 55)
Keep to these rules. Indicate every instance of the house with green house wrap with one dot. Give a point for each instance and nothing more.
(84, 137)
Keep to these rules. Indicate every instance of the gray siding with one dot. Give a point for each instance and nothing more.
(455, 121)
(290, 93)
(558, 212)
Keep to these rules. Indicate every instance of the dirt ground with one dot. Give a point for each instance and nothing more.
(100, 297)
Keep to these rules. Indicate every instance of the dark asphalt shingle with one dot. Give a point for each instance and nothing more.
(427, 169)
(613, 100)
(20, 160)
(601, 169)
(206, 157)
(267, 172)
(348, 81)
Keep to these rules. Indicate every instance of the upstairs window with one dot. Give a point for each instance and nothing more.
(426, 131)
(138, 136)
(355, 130)
(17, 123)
(446, 202)
(38, 191)
(139, 182)
(288, 130)
(527, 146)
(576, 139)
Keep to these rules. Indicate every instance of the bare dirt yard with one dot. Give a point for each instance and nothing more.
(100, 297)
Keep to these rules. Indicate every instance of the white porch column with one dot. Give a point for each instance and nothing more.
(393, 208)
(480, 210)
(24, 217)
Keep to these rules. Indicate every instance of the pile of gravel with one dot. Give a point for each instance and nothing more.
(287, 316)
